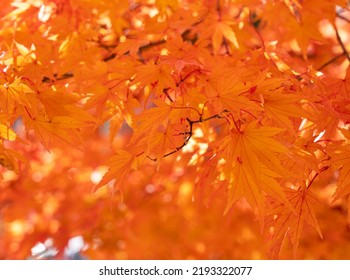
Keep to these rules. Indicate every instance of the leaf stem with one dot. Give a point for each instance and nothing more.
(25, 107)
(330, 61)
(324, 168)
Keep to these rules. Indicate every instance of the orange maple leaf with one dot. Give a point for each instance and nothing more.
(228, 93)
(50, 131)
(244, 183)
(246, 151)
(292, 223)
(340, 159)
(152, 118)
(119, 167)
(253, 142)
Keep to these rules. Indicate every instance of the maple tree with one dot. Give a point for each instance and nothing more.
(176, 129)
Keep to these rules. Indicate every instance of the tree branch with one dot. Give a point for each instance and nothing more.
(190, 131)
(148, 46)
(343, 18)
(165, 91)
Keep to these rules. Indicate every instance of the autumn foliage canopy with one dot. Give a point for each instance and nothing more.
(175, 129)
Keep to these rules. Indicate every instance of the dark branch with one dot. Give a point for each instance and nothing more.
(148, 46)
(110, 57)
(324, 168)
(343, 18)
(346, 53)
(165, 91)
(330, 61)
(189, 133)
(64, 76)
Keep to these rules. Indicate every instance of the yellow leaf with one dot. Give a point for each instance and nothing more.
(228, 33)
(7, 133)
(18, 91)
(222, 30)
(9, 158)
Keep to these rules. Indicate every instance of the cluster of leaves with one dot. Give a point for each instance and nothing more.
(225, 107)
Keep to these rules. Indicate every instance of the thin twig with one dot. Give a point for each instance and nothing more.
(346, 53)
(227, 50)
(324, 168)
(165, 91)
(187, 76)
(148, 46)
(343, 18)
(330, 61)
(189, 133)
(251, 20)
(110, 57)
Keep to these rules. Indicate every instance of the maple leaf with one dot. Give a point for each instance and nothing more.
(164, 5)
(292, 223)
(223, 30)
(325, 8)
(340, 159)
(10, 158)
(54, 102)
(338, 96)
(244, 183)
(50, 131)
(282, 107)
(253, 142)
(131, 46)
(158, 75)
(339, 87)
(77, 48)
(15, 93)
(305, 30)
(217, 28)
(182, 54)
(149, 119)
(153, 118)
(270, 186)
(158, 145)
(74, 118)
(117, 19)
(250, 147)
(7, 162)
(24, 51)
(299, 161)
(213, 100)
(228, 94)
(119, 167)
(7, 133)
